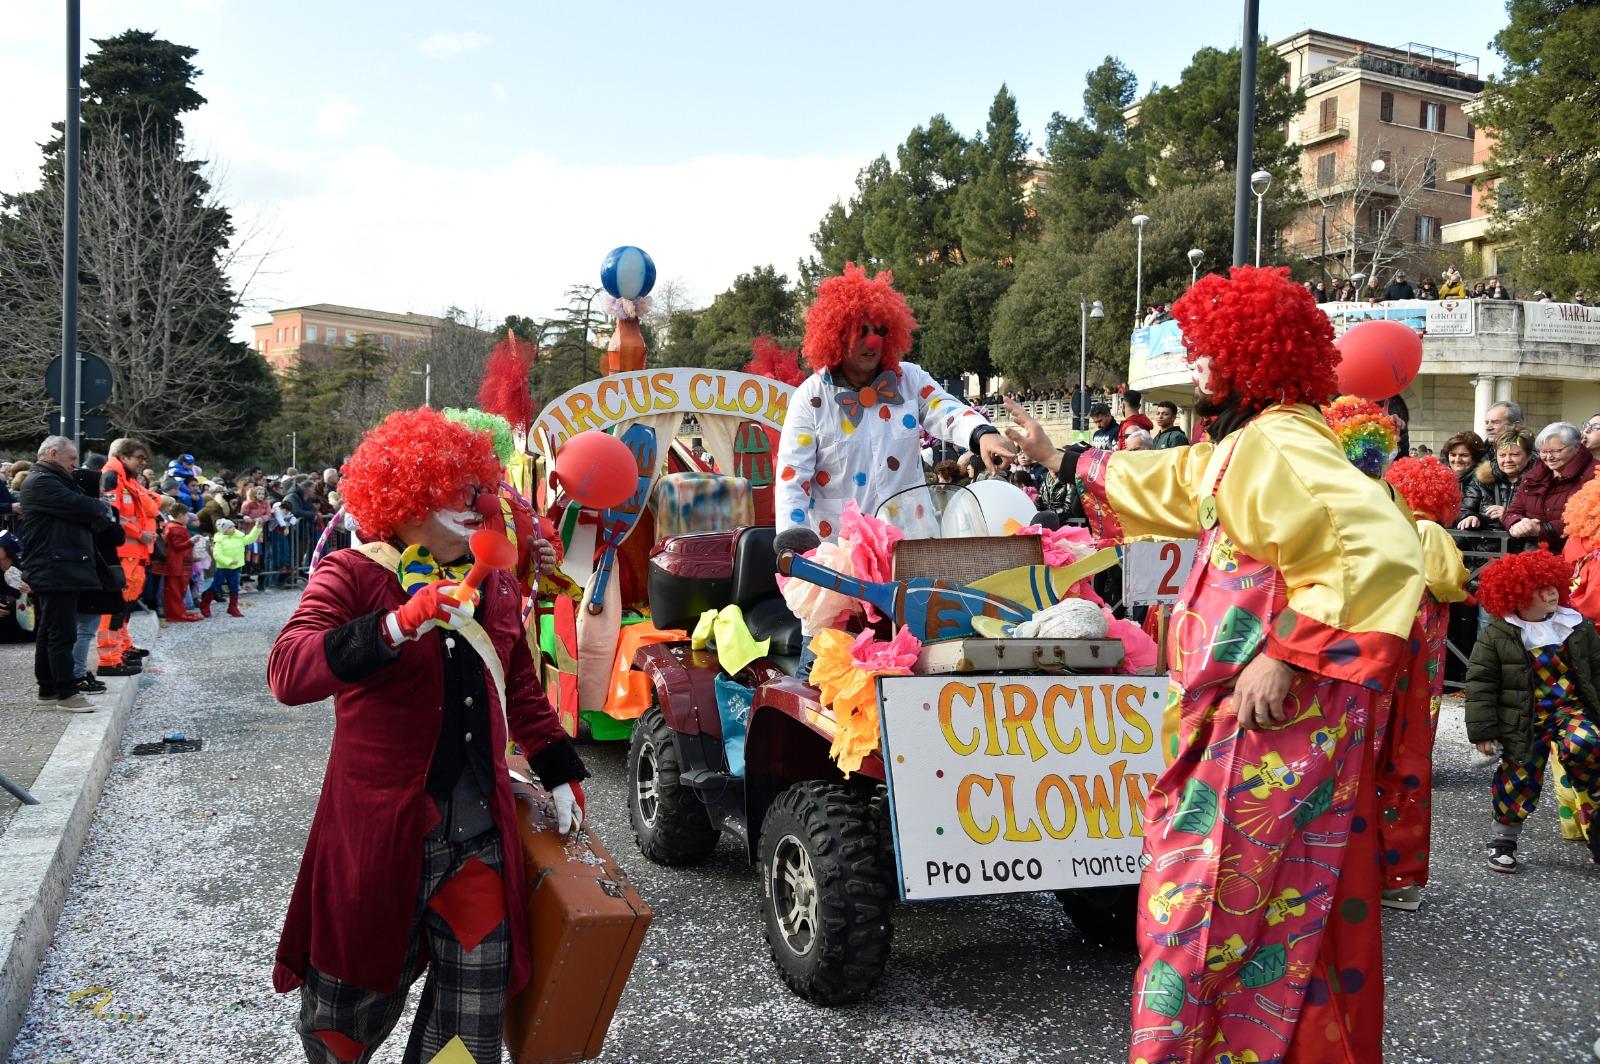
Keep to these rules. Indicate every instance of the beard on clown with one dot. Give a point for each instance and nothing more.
(413, 860)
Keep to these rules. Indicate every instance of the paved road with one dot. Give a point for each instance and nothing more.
(176, 904)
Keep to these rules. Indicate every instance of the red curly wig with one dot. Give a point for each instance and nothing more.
(1428, 486)
(414, 463)
(1267, 339)
(847, 302)
(1582, 514)
(772, 359)
(1507, 584)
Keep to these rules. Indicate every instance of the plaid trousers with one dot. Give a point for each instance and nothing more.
(465, 991)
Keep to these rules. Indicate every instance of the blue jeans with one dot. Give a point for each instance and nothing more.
(229, 577)
(88, 638)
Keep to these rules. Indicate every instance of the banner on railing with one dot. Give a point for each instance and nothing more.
(1561, 323)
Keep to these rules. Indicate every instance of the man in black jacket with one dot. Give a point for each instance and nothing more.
(1399, 288)
(58, 525)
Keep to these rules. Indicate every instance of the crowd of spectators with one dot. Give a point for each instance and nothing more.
(1449, 286)
(85, 543)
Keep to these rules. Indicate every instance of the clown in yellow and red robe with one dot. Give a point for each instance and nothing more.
(1405, 755)
(1258, 911)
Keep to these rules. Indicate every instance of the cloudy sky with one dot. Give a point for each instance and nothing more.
(409, 156)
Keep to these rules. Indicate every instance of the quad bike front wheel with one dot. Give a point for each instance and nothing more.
(826, 890)
(670, 823)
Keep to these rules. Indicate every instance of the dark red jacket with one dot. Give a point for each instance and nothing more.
(1542, 495)
(350, 914)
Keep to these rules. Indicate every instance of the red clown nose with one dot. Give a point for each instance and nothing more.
(874, 343)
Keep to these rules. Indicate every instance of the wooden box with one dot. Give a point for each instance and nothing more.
(586, 921)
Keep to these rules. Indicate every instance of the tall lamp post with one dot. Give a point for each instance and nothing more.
(294, 450)
(1140, 221)
(1260, 181)
(1085, 312)
(426, 373)
(1356, 279)
(1196, 257)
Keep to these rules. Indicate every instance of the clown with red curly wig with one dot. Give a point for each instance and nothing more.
(1582, 550)
(1295, 620)
(854, 427)
(429, 681)
(1533, 690)
(1404, 764)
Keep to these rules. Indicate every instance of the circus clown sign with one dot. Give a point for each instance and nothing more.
(999, 784)
(624, 397)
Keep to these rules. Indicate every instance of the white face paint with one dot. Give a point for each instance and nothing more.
(461, 523)
(1200, 369)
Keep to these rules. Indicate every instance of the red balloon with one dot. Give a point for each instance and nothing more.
(1379, 359)
(597, 470)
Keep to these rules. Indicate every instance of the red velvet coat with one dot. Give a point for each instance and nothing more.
(350, 914)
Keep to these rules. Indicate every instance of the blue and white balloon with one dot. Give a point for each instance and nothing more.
(628, 273)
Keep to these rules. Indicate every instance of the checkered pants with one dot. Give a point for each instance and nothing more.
(465, 992)
(1571, 736)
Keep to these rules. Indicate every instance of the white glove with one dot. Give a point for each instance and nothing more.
(569, 813)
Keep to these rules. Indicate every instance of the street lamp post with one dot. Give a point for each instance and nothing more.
(1085, 312)
(426, 373)
(1356, 279)
(1196, 256)
(1260, 181)
(1140, 220)
(294, 450)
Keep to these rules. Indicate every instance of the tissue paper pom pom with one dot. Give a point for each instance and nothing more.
(816, 606)
(871, 546)
(1507, 584)
(498, 428)
(1428, 486)
(1267, 339)
(414, 463)
(1582, 514)
(772, 359)
(1368, 435)
(1138, 649)
(851, 300)
(504, 390)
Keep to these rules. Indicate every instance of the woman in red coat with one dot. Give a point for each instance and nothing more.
(173, 569)
(413, 861)
(1534, 514)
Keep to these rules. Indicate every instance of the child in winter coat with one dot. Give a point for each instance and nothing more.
(174, 568)
(1534, 680)
(227, 550)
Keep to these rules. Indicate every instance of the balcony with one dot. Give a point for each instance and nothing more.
(1424, 68)
(1481, 165)
(1464, 231)
(1324, 131)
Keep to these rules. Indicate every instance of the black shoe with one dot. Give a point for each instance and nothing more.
(137, 652)
(1503, 855)
(127, 668)
(90, 686)
(1594, 842)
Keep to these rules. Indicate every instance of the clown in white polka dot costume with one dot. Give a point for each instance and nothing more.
(854, 427)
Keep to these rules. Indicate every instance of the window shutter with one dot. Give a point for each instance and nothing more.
(1330, 113)
(1386, 107)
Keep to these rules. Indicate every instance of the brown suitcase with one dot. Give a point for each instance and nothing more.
(586, 921)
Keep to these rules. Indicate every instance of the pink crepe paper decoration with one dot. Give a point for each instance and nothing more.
(816, 606)
(1058, 543)
(871, 546)
(897, 655)
(1138, 649)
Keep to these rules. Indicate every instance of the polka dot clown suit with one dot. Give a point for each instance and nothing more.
(841, 443)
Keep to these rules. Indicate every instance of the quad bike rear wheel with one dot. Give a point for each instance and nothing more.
(826, 890)
(1106, 917)
(670, 823)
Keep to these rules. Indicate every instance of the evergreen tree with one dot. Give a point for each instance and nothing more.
(992, 216)
(1095, 170)
(760, 303)
(1545, 111)
(955, 336)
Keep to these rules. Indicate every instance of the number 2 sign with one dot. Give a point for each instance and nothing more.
(1156, 570)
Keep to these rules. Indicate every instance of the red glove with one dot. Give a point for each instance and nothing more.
(432, 605)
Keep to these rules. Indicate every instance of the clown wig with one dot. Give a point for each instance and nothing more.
(1368, 435)
(414, 463)
(1507, 584)
(846, 303)
(498, 428)
(1266, 339)
(1582, 514)
(1428, 486)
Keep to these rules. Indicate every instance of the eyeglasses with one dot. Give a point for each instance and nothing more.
(1591, 426)
(1551, 455)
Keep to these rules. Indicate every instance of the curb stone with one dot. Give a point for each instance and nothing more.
(39, 850)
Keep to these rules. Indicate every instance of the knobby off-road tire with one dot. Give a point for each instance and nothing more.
(826, 891)
(1106, 916)
(670, 823)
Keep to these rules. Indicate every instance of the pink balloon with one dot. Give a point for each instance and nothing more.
(1379, 359)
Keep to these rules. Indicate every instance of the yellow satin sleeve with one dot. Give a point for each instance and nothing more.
(1443, 568)
(1290, 499)
(1158, 493)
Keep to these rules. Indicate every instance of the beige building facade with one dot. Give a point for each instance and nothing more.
(296, 332)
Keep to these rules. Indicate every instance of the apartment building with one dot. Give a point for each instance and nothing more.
(297, 332)
(1384, 135)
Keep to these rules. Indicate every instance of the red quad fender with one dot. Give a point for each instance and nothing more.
(789, 734)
